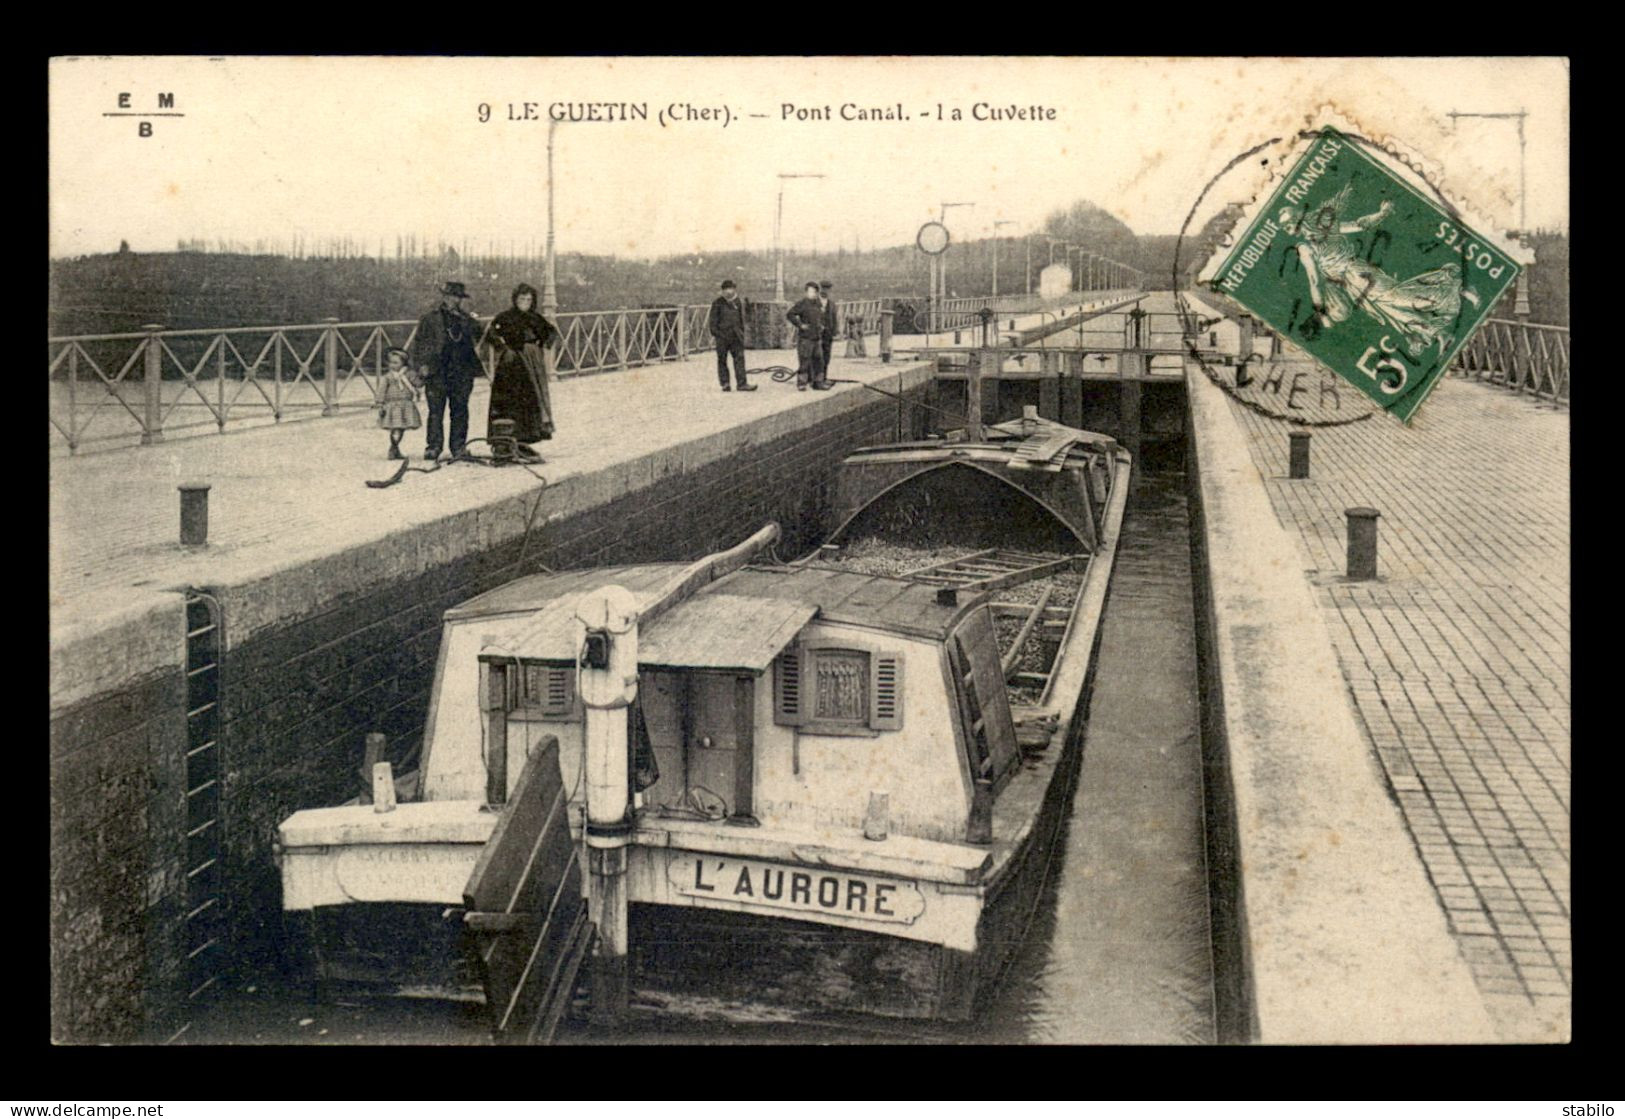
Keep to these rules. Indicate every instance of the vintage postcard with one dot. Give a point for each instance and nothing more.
(1039, 550)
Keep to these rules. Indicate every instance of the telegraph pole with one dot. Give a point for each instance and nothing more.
(778, 224)
(550, 289)
(996, 255)
(942, 263)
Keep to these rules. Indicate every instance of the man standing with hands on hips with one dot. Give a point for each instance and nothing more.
(727, 324)
(808, 319)
(447, 362)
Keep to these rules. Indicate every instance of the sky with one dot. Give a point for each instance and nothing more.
(370, 148)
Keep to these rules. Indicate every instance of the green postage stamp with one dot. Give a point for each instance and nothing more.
(1374, 280)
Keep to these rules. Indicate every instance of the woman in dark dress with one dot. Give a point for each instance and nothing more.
(519, 389)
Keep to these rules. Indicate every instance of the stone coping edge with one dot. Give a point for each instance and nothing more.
(1345, 938)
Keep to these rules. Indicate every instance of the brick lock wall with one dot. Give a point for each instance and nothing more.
(117, 822)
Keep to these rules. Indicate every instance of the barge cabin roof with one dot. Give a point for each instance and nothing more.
(750, 611)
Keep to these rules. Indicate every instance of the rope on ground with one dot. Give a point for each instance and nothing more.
(523, 457)
(959, 421)
(783, 374)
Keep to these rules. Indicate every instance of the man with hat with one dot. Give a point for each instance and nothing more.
(728, 332)
(807, 317)
(447, 361)
(827, 302)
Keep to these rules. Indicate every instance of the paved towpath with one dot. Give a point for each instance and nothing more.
(1457, 658)
(282, 492)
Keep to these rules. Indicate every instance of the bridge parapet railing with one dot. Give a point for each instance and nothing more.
(111, 387)
(1530, 358)
(854, 314)
(142, 384)
(964, 311)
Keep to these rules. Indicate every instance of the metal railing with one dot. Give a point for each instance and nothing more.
(957, 314)
(144, 384)
(115, 386)
(1524, 357)
(155, 379)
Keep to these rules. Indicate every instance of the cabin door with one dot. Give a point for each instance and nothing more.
(718, 712)
(701, 727)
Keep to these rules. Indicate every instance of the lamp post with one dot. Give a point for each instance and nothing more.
(996, 255)
(942, 261)
(778, 225)
(1029, 243)
(550, 289)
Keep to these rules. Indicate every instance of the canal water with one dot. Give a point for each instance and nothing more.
(1119, 952)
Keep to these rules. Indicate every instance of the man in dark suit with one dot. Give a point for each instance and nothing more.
(831, 324)
(807, 317)
(728, 332)
(447, 361)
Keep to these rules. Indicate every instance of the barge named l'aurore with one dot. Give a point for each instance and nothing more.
(829, 785)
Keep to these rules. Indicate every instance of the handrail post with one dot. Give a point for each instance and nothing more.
(220, 381)
(73, 398)
(973, 397)
(620, 338)
(152, 424)
(682, 332)
(330, 359)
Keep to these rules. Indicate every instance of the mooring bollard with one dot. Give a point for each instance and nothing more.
(1299, 455)
(501, 438)
(1362, 542)
(194, 514)
(885, 335)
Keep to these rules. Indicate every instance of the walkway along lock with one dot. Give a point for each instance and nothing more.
(1299, 455)
(194, 514)
(1362, 529)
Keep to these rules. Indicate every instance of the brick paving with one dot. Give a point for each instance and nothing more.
(1457, 659)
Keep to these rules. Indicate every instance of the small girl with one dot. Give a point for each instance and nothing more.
(397, 410)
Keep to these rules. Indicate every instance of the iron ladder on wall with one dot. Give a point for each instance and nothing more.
(205, 925)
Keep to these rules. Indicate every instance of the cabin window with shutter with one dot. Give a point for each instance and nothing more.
(548, 692)
(831, 687)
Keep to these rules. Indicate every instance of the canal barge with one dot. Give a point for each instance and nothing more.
(827, 785)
